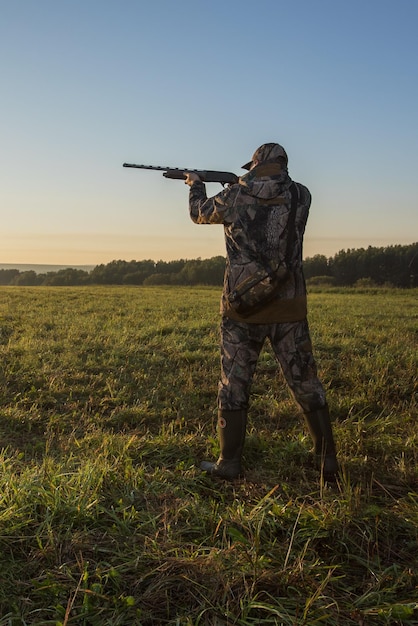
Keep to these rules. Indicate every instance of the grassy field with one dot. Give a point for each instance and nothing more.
(107, 405)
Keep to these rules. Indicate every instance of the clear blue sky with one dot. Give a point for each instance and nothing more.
(89, 84)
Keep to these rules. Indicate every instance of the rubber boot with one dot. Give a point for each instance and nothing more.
(319, 425)
(231, 430)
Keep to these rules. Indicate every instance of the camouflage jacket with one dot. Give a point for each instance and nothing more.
(255, 216)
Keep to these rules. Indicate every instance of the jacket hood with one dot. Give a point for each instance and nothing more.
(266, 181)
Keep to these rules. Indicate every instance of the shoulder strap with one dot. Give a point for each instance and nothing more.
(294, 190)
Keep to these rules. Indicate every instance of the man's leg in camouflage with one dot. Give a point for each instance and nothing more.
(293, 349)
(241, 345)
(240, 348)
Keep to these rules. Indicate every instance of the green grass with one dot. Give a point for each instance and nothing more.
(107, 405)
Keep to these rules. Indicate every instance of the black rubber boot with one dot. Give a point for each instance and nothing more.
(231, 430)
(320, 429)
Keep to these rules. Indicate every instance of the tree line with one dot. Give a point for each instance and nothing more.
(393, 265)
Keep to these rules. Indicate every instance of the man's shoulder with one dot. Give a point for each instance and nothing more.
(304, 193)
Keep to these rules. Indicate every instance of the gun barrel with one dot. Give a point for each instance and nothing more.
(207, 176)
(146, 167)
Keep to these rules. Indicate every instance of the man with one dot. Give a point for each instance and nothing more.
(264, 217)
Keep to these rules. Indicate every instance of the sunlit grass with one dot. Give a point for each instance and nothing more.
(107, 405)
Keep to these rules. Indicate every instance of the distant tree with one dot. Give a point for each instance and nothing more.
(317, 265)
(394, 265)
(135, 278)
(169, 267)
(28, 278)
(213, 270)
(69, 276)
(114, 272)
(412, 265)
(206, 272)
(343, 267)
(7, 276)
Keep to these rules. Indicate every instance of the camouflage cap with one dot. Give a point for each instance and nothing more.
(267, 152)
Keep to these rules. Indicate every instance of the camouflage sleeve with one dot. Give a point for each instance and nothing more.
(215, 210)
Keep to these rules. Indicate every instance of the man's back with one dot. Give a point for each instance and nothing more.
(256, 217)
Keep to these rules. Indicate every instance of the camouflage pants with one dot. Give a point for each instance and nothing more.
(241, 345)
